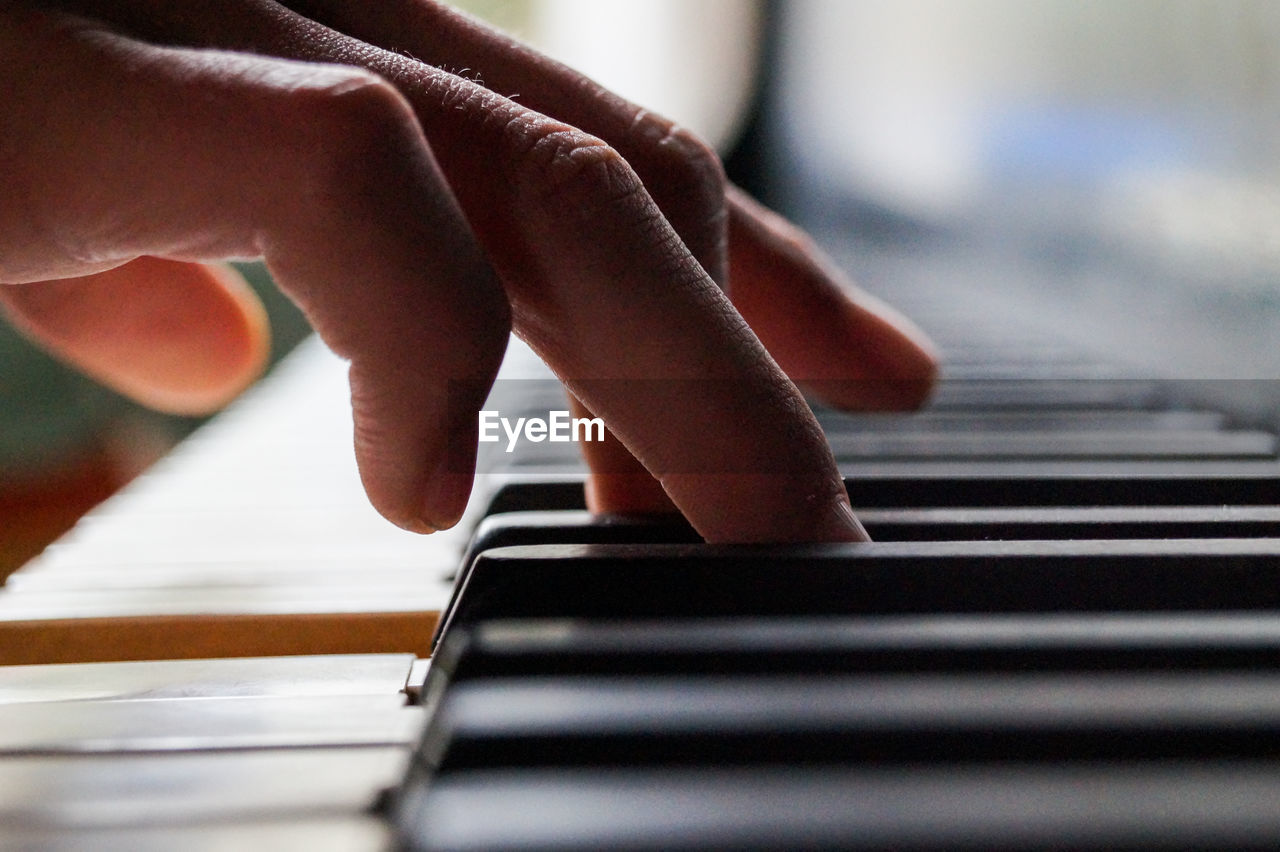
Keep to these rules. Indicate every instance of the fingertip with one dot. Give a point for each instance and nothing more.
(225, 343)
(446, 500)
(182, 338)
(841, 344)
(414, 503)
(415, 445)
(891, 364)
(828, 519)
(238, 334)
(795, 507)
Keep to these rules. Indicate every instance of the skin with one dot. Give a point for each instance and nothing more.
(417, 217)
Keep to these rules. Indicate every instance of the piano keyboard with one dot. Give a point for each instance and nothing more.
(1064, 636)
(238, 544)
(202, 755)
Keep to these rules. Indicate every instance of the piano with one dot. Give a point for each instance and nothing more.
(1066, 634)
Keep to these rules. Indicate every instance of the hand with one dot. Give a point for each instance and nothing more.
(417, 216)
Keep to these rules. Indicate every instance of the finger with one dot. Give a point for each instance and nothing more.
(120, 149)
(603, 288)
(839, 343)
(618, 484)
(849, 348)
(182, 338)
(680, 172)
(605, 291)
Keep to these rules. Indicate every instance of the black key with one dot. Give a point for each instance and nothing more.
(1048, 394)
(1072, 523)
(899, 718)
(671, 581)
(1049, 445)
(524, 528)
(1050, 483)
(580, 527)
(998, 808)
(988, 484)
(955, 643)
(1024, 369)
(1032, 420)
(851, 448)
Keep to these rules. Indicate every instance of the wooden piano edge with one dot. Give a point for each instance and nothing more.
(188, 637)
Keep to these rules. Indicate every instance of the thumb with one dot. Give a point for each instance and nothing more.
(183, 338)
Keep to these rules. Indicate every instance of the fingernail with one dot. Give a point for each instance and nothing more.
(419, 526)
(849, 522)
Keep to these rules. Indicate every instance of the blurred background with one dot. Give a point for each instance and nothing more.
(1100, 170)
(1111, 163)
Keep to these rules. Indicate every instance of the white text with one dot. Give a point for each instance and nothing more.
(558, 428)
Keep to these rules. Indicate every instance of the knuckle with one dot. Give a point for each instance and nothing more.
(576, 169)
(349, 131)
(352, 94)
(688, 182)
(682, 163)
